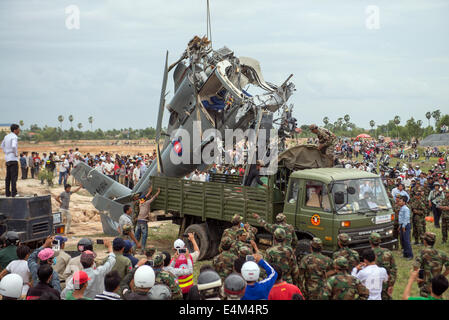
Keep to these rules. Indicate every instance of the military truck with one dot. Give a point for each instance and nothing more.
(318, 202)
(31, 217)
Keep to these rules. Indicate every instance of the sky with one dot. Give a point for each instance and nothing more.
(345, 59)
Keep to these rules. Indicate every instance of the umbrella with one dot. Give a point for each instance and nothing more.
(364, 136)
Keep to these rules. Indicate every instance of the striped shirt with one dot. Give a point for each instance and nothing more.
(107, 296)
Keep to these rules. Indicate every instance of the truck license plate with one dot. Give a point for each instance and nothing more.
(383, 219)
(56, 218)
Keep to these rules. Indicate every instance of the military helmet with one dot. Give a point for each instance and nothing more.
(281, 217)
(344, 239)
(279, 234)
(209, 283)
(240, 231)
(160, 292)
(85, 244)
(316, 243)
(234, 286)
(158, 260)
(375, 238)
(226, 242)
(236, 219)
(341, 263)
(127, 228)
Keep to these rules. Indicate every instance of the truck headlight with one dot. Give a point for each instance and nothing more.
(389, 232)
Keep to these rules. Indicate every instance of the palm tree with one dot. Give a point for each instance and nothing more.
(419, 123)
(61, 119)
(71, 120)
(80, 125)
(397, 121)
(325, 121)
(21, 123)
(347, 118)
(372, 124)
(91, 119)
(428, 116)
(436, 116)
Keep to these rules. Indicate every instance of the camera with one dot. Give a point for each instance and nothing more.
(55, 242)
(182, 250)
(100, 241)
(421, 274)
(250, 258)
(150, 263)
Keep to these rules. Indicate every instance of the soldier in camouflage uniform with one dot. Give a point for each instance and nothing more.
(312, 271)
(326, 139)
(242, 241)
(351, 255)
(396, 207)
(165, 277)
(281, 222)
(444, 207)
(418, 207)
(236, 225)
(224, 261)
(344, 286)
(384, 259)
(432, 262)
(284, 257)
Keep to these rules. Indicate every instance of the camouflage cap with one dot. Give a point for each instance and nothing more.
(316, 243)
(344, 239)
(158, 260)
(245, 251)
(236, 218)
(279, 234)
(429, 236)
(375, 238)
(281, 217)
(341, 263)
(226, 242)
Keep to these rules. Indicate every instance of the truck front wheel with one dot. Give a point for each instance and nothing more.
(201, 238)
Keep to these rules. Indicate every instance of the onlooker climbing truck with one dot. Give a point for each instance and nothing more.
(321, 202)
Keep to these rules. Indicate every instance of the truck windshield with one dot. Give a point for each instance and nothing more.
(362, 195)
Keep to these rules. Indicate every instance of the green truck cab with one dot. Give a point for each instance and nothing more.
(320, 202)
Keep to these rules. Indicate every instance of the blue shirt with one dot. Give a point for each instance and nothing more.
(261, 289)
(133, 259)
(395, 192)
(404, 216)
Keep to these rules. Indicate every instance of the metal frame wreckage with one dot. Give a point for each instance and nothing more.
(209, 91)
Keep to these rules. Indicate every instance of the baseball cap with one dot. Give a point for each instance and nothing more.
(118, 243)
(429, 236)
(341, 263)
(279, 234)
(80, 277)
(128, 245)
(61, 239)
(46, 254)
(158, 260)
(236, 218)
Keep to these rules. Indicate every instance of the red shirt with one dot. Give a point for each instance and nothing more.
(283, 291)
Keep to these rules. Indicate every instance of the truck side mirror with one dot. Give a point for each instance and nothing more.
(351, 190)
(339, 197)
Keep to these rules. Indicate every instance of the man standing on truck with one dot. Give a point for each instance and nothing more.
(64, 200)
(281, 222)
(254, 174)
(326, 141)
(312, 271)
(384, 259)
(10, 148)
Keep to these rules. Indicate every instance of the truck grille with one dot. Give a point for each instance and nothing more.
(40, 227)
(361, 235)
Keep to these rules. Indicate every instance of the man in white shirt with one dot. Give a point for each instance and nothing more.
(10, 148)
(371, 276)
(108, 168)
(64, 166)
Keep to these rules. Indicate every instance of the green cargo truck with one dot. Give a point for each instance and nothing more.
(320, 202)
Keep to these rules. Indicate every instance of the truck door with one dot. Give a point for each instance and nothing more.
(315, 213)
